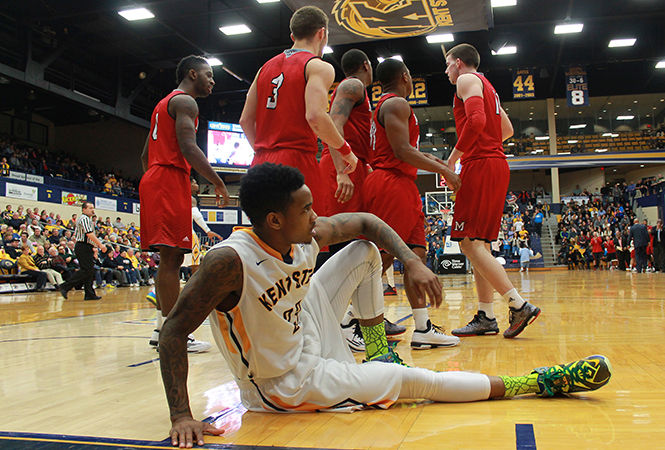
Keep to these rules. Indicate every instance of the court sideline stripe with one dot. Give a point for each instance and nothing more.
(525, 439)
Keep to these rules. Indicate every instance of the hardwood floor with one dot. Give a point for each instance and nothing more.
(85, 368)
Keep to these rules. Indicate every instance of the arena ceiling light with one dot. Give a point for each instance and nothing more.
(509, 155)
(429, 135)
(267, 1)
(572, 141)
(503, 3)
(136, 14)
(542, 138)
(629, 42)
(660, 65)
(505, 50)
(231, 30)
(381, 59)
(212, 61)
(600, 150)
(439, 38)
(510, 144)
(625, 117)
(577, 126)
(568, 28)
(327, 50)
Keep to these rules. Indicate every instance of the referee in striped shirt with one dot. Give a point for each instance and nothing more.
(85, 239)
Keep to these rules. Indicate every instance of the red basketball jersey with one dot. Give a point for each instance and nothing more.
(356, 128)
(489, 143)
(280, 111)
(383, 156)
(163, 148)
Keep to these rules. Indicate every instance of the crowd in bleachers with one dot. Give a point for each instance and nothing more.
(588, 143)
(596, 233)
(41, 244)
(39, 161)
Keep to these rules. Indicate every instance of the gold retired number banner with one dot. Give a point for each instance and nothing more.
(363, 20)
(417, 98)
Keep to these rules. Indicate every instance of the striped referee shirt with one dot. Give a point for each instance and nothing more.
(83, 226)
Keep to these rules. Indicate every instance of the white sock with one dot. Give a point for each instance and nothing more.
(348, 315)
(487, 308)
(159, 321)
(390, 276)
(420, 316)
(514, 299)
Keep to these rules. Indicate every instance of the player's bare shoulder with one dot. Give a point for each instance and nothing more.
(319, 67)
(220, 278)
(183, 104)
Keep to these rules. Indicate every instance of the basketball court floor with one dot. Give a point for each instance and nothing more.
(78, 374)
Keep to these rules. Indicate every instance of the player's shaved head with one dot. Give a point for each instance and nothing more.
(306, 21)
(352, 61)
(389, 71)
(267, 188)
(466, 53)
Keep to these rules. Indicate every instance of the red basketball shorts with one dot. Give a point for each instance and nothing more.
(305, 162)
(394, 198)
(329, 182)
(479, 202)
(166, 208)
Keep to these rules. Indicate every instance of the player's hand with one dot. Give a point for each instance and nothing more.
(222, 197)
(351, 161)
(213, 235)
(186, 430)
(345, 188)
(453, 180)
(424, 282)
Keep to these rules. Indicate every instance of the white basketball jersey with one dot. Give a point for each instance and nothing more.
(261, 337)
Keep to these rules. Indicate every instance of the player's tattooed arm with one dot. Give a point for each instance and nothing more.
(349, 94)
(347, 226)
(217, 284)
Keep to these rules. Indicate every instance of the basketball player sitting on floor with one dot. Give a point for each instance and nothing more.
(276, 323)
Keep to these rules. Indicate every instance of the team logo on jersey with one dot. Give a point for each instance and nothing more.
(392, 18)
(459, 226)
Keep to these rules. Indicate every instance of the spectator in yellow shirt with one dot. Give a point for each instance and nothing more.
(27, 265)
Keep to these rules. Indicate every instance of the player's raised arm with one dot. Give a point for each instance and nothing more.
(185, 111)
(347, 226)
(320, 76)
(248, 116)
(217, 284)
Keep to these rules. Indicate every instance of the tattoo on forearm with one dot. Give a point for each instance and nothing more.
(219, 275)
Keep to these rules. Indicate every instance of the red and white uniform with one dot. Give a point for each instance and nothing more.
(485, 173)
(390, 190)
(283, 135)
(356, 133)
(165, 190)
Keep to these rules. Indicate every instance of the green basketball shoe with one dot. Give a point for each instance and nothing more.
(586, 374)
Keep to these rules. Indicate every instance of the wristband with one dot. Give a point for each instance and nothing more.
(344, 149)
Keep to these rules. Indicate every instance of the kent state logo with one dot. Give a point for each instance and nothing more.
(392, 18)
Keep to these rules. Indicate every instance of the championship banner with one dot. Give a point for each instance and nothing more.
(523, 84)
(577, 87)
(73, 198)
(364, 20)
(418, 96)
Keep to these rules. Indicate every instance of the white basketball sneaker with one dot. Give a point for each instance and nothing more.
(354, 336)
(194, 346)
(154, 339)
(432, 337)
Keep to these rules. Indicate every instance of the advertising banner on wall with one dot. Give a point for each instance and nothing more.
(73, 198)
(21, 192)
(106, 203)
